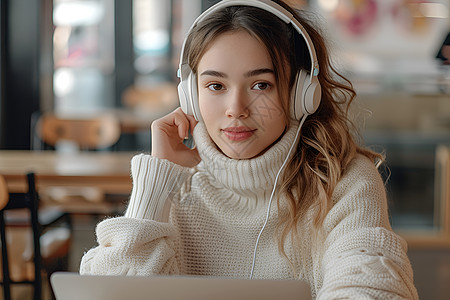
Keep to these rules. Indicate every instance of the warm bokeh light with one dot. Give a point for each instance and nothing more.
(328, 5)
(64, 81)
(433, 10)
(77, 13)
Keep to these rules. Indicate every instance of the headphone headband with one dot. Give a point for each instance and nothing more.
(306, 93)
(267, 5)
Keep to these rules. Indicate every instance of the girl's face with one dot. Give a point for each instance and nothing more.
(238, 96)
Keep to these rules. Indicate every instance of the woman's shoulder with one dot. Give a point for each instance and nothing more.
(361, 168)
(360, 194)
(360, 177)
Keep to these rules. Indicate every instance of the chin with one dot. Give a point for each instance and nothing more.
(242, 153)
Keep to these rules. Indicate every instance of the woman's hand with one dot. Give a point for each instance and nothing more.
(168, 134)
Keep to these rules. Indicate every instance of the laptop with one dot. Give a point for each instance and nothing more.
(72, 286)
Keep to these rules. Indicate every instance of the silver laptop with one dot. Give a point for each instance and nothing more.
(72, 286)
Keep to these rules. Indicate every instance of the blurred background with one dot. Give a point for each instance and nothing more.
(90, 57)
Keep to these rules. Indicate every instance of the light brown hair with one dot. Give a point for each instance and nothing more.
(327, 144)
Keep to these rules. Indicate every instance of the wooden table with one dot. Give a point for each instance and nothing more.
(109, 171)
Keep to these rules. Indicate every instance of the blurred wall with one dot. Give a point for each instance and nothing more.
(21, 71)
(2, 67)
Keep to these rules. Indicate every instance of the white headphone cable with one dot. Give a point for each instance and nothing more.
(273, 192)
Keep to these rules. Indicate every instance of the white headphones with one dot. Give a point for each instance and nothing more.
(306, 93)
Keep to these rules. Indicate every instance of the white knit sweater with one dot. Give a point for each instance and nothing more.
(205, 221)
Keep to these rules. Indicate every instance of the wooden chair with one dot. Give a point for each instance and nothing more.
(87, 133)
(442, 191)
(93, 133)
(50, 244)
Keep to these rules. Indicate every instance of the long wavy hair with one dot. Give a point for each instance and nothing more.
(327, 143)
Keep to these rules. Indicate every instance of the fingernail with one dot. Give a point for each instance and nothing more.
(186, 137)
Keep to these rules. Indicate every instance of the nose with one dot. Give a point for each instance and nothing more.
(238, 106)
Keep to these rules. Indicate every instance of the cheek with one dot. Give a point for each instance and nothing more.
(204, 107)
(208, 110)
(270, 112)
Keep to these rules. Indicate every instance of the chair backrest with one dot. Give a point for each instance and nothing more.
(442, 189)
(89, 133)
(30, 201)
(4, 195)
(50, 225)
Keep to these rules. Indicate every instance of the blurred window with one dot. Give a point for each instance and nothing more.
(387, 45)
(388, 49)
(152, 28)
(83, 55)
(159, 28)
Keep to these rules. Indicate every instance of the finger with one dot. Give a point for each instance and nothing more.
(182, 123)
(192, 122)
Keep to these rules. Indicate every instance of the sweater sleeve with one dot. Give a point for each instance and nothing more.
(155, 181)
(142, 242)
(362, 257)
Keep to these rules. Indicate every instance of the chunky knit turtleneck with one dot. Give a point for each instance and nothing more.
(253, 178)
(204, 221)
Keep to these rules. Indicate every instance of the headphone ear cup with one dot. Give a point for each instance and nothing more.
(296, 107)
(183, 97)
(184, 89)
(188, 95)
(312, 98)
(194, 97)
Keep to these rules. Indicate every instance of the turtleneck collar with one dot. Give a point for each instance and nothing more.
(247, 177)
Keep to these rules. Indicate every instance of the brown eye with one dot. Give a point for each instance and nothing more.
(261, 86)
(215, 87)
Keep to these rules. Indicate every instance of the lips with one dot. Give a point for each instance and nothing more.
(238, 134)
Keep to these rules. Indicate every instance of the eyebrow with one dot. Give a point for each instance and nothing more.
(248, 74)
(213, 73)
(258, 72)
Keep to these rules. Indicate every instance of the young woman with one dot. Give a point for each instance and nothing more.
(207, 210)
